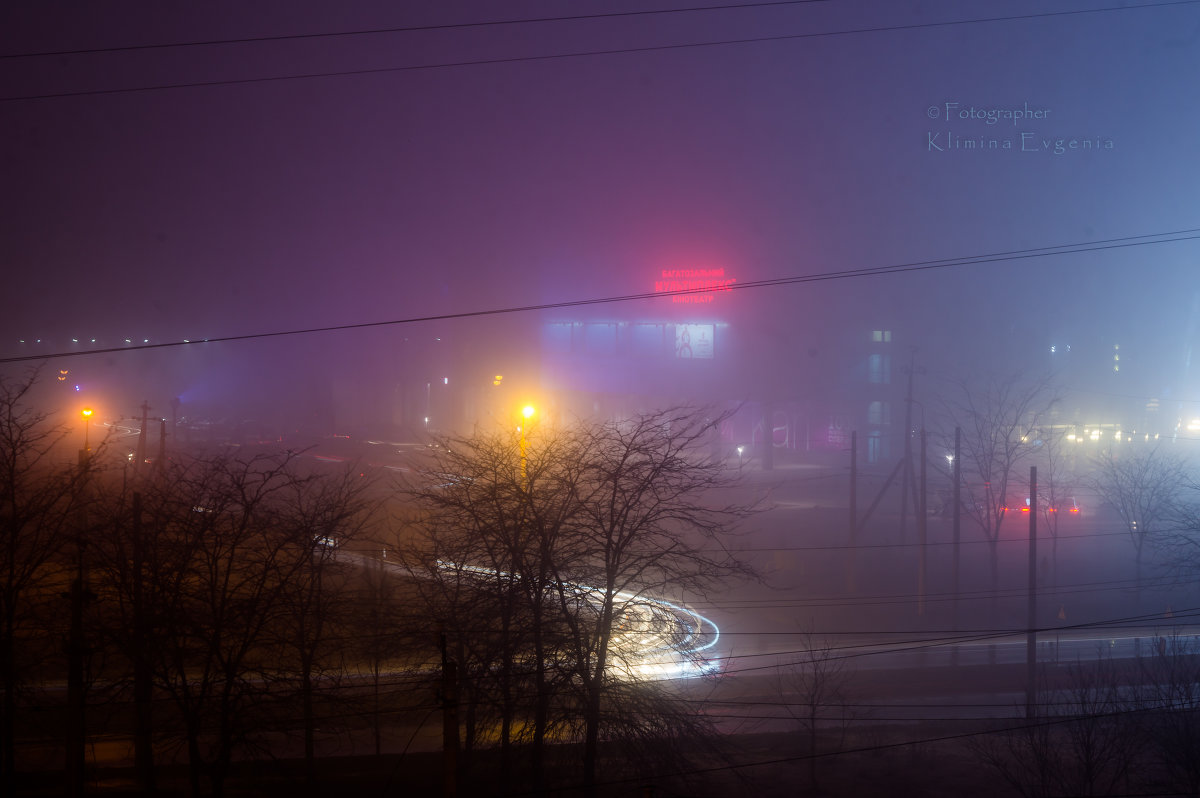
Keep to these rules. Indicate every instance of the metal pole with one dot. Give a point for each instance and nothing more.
(852, 577)
(921, 529)
(957, 525)
(449, 724)
(1031, 634)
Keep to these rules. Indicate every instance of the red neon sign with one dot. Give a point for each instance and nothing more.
(692, 286)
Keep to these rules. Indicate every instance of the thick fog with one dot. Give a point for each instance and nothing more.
(394, 221)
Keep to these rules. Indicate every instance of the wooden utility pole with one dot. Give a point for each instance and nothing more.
(1031, 634)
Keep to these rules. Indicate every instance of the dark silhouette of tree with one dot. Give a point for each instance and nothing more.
(1087, 740)
(1000, 422)
(1170, 703)
(1057, 483)
(41, 502)
(814, 690)
(653, 519)
(493, 508)
(225, 555)
(534, 552)
(1146, 488)
(320, 515)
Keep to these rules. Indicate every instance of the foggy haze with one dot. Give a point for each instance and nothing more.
(232, 209)
(522, 198)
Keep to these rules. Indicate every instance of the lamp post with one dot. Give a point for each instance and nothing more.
(527, 413)
(87, 422)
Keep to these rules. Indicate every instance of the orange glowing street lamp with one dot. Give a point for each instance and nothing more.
(87, 422)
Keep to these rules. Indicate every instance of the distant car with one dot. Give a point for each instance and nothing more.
(1069, 507)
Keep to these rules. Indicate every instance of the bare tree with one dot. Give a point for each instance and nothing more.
(1057, 483)
(813, 688)
(1146, 487)
(999, 423)
(1171, 707)
(651, 521)
(378, 626)
(1086, 740)
(494, 509)
(223, 557)
(544, 546)
(320, 515)
(40, 501)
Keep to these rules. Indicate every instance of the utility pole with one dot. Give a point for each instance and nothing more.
(449, 724)
(957, 524)
(160, 462)
(906, 481)
(77, 596)
(921, 530)
(141, 442)
(852, 575)
(143, 695)
(1031, 634)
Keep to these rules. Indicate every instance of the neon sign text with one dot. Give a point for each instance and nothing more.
(677, 281)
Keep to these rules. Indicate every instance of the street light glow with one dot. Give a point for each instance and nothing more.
(528, 411)
(87, 415)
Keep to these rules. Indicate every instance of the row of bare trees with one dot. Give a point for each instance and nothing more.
(203, 601)
(537, 554)
(1008, 424)
(1108, 727)
(231, 603)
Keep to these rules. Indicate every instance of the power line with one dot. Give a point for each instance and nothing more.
(404, 29)
(902, 268)
(587, 53)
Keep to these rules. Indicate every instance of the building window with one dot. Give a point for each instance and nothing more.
(878, 413)
(879, 369)
(882, 336)
(600, 339)
(875, 451)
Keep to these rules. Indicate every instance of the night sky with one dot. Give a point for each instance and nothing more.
(425, 184)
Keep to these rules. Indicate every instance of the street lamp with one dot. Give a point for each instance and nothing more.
(87, 422)
(527, 413)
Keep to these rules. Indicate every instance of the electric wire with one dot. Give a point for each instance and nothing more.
(902, 268)
(589, 53)
(407, 29)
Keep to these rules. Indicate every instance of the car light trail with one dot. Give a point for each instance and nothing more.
(652, 638)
